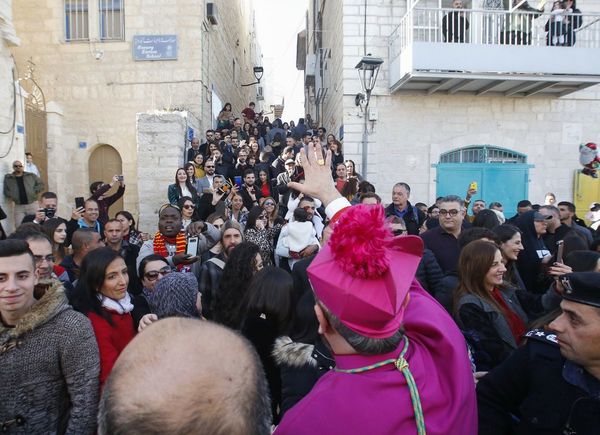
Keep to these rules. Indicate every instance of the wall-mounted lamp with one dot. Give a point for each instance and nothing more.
(258, 73)
(368, 69)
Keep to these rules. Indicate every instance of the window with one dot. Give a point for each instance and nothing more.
(111, 25)
(111, 20)
(76, 20)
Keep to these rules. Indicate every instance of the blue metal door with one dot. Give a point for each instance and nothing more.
(501, 175)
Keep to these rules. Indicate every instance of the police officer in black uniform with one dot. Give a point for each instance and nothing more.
(552, 384)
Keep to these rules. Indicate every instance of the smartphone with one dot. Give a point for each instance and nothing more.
(238, 181)
(120, 177)
(473, 185)
(192, 246)
(559, 251)
(79, 202)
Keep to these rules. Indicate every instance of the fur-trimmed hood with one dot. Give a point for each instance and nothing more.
(290, 353)
(49, 305)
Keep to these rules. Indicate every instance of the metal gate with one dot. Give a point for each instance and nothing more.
(36, 138)
(502, 175)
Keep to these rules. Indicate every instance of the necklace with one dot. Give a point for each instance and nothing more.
(402, 366)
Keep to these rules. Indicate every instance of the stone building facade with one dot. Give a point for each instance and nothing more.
(96, 79)
(413, 129)
(12, 145)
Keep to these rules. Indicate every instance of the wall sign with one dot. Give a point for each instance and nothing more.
(155, 47)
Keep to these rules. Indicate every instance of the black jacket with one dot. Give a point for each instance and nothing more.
(429, 274)
(301, 366)
(528, 394)
(413, 218)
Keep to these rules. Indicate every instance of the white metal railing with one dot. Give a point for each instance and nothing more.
(471, 26)
(76, 20)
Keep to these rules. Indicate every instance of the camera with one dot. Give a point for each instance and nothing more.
(49, 212)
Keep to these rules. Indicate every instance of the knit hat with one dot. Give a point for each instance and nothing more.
(175, 295)
(364, 273)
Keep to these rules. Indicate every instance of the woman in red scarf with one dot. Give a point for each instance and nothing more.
(488, 313)
(102, 295)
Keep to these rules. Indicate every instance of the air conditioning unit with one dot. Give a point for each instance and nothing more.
(211, 13)
(260, 94)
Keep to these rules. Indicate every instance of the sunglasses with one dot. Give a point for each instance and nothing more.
(269, 203)
(208, 167)
(17, 166)
(188, 206)
(153, 274)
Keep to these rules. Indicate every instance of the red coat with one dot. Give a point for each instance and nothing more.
(111, 339)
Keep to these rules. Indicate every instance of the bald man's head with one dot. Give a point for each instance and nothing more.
(186, 376)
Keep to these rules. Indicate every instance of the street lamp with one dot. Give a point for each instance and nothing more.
(368, 70)
(258, 73)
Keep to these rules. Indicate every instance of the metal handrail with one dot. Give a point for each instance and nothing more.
(495, 27)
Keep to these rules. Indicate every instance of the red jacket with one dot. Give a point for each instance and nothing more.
(111, 339)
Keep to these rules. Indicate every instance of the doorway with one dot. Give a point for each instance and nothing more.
(104, 163)
(502, 175)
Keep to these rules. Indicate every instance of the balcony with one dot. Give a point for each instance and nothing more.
(490, 57)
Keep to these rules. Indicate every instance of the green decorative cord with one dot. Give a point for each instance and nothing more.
(402, 366)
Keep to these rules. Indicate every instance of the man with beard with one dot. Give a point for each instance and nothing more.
(205, 183)
(170, 240)
(250, 194)
(210, 274)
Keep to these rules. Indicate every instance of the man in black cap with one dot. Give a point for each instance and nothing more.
(552, 384)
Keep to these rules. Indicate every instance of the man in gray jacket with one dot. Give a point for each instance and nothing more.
(23, 189)
(48, 353)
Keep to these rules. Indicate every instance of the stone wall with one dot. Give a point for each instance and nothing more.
(97, 88)
(12, 145)
(161, 140)
(412, 131)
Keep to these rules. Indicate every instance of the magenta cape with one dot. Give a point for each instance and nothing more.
(378, 401)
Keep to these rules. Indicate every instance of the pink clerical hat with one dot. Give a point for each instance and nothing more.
(364, 273)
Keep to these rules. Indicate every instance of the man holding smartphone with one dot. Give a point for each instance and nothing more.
(98, 190)
(250, 193)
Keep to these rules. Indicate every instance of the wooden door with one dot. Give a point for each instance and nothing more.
(104, 163)
(36, 140)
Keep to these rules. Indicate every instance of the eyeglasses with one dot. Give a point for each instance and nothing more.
(188, 206)
(39, 259)
(153, 274)
(452, 212)
(269, 203)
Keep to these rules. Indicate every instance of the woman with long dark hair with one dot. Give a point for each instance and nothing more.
(265, 184)
(101, 294)
(489, 314)
(130, 231)
(56, 230)
(351, 170)
(182, 187)
(267, 311)
(243, 262)
(190, 169)
(224, 118)
(258, 232)
(237, 211)
(337, 154)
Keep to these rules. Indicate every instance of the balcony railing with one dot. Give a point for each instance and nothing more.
(495, 42)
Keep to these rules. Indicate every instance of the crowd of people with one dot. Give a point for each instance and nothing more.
(279, 290)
